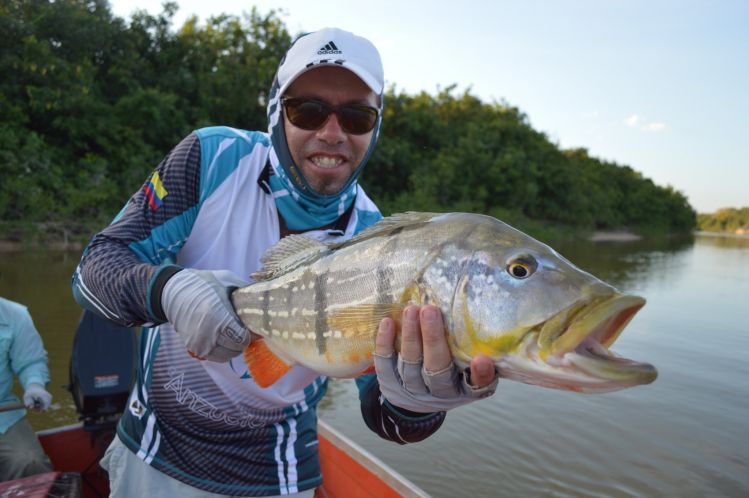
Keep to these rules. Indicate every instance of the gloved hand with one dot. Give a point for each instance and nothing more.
(37, 398)
(431, 382)
(196, 303)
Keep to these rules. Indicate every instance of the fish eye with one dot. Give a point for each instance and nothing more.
(522, 267)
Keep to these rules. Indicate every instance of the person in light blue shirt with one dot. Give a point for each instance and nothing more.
(21, 354)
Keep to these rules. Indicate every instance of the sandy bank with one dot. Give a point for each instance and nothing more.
(614, 237)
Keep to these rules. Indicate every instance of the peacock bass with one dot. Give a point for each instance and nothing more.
(502, 293)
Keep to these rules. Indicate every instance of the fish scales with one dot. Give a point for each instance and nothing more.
(376, 271)
(502, 293)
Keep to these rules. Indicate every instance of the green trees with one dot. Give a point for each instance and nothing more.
(731, 220)
(89, 104)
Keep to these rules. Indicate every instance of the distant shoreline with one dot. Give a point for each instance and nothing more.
(14, 246)
(614, 236)
(722, 234)
(598, 236)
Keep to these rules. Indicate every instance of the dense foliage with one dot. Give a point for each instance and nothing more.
(725, 220)
(89, 103)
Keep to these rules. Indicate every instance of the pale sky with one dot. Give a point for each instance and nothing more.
(659, 85)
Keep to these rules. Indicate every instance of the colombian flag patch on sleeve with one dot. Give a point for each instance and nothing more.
(155, 191)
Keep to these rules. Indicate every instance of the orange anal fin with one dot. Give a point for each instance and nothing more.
(265, 367)
(370, 369)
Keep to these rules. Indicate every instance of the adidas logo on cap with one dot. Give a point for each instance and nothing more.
(329, 48)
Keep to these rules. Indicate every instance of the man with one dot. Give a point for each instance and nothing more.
(197, 229)
(21, 354)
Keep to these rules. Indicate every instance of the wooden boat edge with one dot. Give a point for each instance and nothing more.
(397, 482)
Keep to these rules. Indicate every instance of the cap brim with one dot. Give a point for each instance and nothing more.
(362, 74)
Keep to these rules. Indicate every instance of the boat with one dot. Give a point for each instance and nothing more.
(349, 471)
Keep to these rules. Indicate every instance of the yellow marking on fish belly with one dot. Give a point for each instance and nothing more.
(411, 294)
(489, 346)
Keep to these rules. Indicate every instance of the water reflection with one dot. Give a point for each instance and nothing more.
(626, 264)
(724, 241)
(40, 280)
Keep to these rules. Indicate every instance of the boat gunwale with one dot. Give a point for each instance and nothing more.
(380, 469)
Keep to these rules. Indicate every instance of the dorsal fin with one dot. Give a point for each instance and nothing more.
(387, 225)
(289, 253)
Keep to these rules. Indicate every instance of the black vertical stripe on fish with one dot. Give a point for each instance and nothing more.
(321, 318)
(290, 298)
(384, 280)
(385, 273)
(384, 287)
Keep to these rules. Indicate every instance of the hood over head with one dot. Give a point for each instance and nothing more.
(301, 206)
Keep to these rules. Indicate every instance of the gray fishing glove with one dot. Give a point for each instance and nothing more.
(410, 386)
(196, 303)
(36, 397)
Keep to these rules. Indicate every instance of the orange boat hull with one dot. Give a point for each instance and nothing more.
(348, 470)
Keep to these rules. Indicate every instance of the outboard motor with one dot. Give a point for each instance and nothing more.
(102, 370)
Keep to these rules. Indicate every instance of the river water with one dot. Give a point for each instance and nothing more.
(685, 435)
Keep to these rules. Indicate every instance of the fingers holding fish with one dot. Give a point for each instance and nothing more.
(411, 349)
(422, 377)
(411, 355)
(483, 371)
(425, 363)
(437, 356)
(385, 339)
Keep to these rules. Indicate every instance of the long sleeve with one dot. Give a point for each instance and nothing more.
(27, 354)
(392, 423)
(124, 263)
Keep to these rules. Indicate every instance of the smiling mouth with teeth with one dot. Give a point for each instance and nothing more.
(326, 162)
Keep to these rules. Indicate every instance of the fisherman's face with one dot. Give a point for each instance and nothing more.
(328, 156)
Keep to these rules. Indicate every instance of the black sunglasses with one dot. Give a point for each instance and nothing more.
(311, 114)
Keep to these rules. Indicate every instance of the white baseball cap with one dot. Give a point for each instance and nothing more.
(332, 47)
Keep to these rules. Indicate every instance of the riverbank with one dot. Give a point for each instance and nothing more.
(551, 234)
(14, 246)
(614, 236)
(55, 236)
(62, 245)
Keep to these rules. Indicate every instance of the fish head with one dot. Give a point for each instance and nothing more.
(539, 317)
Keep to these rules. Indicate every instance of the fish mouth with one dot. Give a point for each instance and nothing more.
(571, 350)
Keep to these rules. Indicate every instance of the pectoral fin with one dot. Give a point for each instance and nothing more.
(265, 367)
